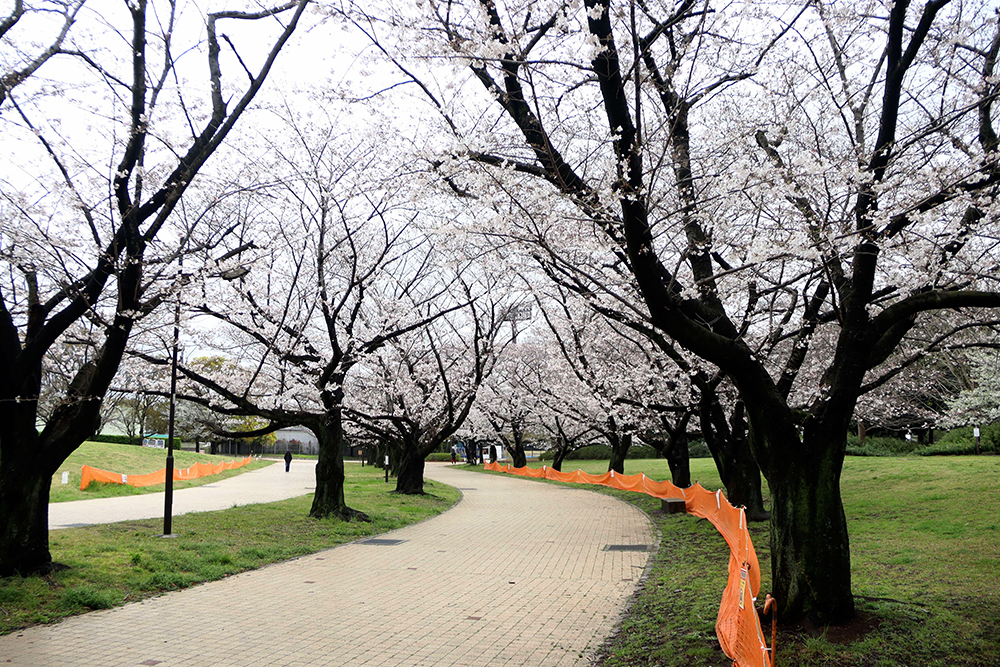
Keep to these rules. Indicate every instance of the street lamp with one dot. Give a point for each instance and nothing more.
(168, 496)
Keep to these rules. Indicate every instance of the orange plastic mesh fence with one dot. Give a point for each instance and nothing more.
(89, 474)
(737, 626)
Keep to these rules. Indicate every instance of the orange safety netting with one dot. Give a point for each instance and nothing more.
(89, 474)
(737, 624)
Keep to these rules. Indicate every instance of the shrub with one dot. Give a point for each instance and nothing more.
(697, 449)
(439, 456)
(124, 440)
(603, 452)
(961, 441)
(880, 446)
(113, 439)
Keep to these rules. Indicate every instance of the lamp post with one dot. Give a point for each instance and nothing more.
(168, 496)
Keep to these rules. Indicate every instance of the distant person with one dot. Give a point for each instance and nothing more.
(288, 459)
(454, 455)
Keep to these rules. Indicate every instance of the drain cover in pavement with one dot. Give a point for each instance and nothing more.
(382, 542)
(626, 547)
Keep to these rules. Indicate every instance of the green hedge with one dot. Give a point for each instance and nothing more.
(961, 441)
(697, 449)
(955, 441)
(603, 452)
(124, 440)
(880, 446)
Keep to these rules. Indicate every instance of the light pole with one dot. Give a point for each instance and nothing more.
(168, 496)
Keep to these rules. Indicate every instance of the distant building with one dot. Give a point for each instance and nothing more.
(297, 440)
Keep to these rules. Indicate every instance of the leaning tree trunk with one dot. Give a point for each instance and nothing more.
(743, 483)
(559, 454)
(728, 440)
(24, 506)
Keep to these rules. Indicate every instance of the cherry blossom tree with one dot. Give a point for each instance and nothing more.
(98, 157)
(760, 173)
(979, 404)
(419, 389)
(49, 25)
(340, 268)
(508, 405)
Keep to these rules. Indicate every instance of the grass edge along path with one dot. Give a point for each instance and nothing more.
(925, 541)
(113, 564)
(132, 460)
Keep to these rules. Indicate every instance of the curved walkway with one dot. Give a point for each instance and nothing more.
(518, 573)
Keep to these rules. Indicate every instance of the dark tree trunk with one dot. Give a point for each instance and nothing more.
(730, 446)
(557, 460)
(410, 472)
(619, 450)
(743, 484)
(328, 500)
(678, 458)
(810, 549)
(24, 507)
(517, 456)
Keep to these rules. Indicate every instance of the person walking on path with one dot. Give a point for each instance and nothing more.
(454, 455)
(288, 459)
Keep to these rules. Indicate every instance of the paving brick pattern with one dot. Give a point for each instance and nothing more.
(516, 574)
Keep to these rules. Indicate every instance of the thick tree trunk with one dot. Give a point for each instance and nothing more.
(328, 500)
(24, 518)
(810, 551)
(558, 456)
(410, 474)
(730, 446)
(517, 456)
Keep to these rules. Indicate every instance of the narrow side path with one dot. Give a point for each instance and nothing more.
(266, 485)
(518, 573)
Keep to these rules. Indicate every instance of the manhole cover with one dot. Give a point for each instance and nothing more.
(626, 547)
(382, 542)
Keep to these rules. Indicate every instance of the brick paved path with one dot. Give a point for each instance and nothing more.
(516, 574)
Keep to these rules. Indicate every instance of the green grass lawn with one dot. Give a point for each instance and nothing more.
(925, 545)
(123, 562)
(131, 460)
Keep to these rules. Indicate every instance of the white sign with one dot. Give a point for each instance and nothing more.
(975, 431)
